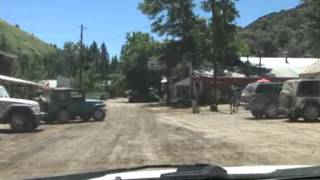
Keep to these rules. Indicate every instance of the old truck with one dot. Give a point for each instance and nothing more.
(21, 114)
(65, 104)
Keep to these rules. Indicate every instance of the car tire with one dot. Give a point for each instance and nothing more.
(271, 111)
(310, 112)
(63, 116)
(99, 114)
(20, 122)
(257, 114)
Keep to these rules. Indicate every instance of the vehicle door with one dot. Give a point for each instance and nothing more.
(77, 102)
(59, 100)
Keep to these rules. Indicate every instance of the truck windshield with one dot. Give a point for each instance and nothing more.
(3, 93)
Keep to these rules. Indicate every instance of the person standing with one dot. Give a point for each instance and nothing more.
(236, 100)
(230, 98)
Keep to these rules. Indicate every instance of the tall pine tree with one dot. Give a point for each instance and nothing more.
(114, 65)
(104, 61)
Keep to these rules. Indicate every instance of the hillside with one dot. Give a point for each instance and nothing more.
(280, 32)
(17, 41)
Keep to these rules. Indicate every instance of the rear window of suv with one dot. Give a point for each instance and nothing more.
(269, 88)
(309, 88)
(250, 88)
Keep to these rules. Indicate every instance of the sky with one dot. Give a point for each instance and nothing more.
(58, 21)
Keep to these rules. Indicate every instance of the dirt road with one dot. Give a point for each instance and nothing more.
(137, 134)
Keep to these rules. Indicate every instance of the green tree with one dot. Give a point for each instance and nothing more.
(70, 63)
(313, 15)
(4, 45)
(137, 51)
(105, 60)
(223, 29)
(114, 65)
(93, 56)
(175, 20)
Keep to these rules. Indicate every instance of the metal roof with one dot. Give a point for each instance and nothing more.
(184, 82)
(280, 68)
(312, 69)
(65, 89)
(18, 81)
(12, 56)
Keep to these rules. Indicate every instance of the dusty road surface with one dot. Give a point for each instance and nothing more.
(144, 134)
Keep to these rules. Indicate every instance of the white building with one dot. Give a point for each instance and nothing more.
(312, 71)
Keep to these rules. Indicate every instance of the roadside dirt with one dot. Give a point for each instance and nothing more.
(144, 134)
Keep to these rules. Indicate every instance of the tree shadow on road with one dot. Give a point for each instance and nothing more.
(266, 119)
(70, 122)
(165, 105)
(9, 131)
(303, 121)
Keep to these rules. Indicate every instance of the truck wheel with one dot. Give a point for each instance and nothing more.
(20, 122)
(99, 114)
(63, 116)
(271, 111)
(310, 112)
(257, 114)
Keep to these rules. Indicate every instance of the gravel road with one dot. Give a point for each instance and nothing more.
(139, 134)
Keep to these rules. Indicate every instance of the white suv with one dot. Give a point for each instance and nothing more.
(21, 114)
(301, 98)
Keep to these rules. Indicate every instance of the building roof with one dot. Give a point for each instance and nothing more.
(18, 81)
(11, 56)
(184, 82)
(312, 69)
(280, 68)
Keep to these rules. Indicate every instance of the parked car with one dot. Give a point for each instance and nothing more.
(301, 98)
(262, 99)
(21, 114)
(64, 104)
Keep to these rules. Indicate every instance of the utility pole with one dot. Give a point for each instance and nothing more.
(81, 58)
(214, 106)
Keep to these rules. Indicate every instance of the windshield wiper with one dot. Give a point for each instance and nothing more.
(90, 175)
(217, 172)
(197, 172)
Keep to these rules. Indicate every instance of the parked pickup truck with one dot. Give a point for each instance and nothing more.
(262, 99)
(21, 114)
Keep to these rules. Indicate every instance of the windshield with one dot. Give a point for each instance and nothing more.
(3, 92)
(115, 84)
